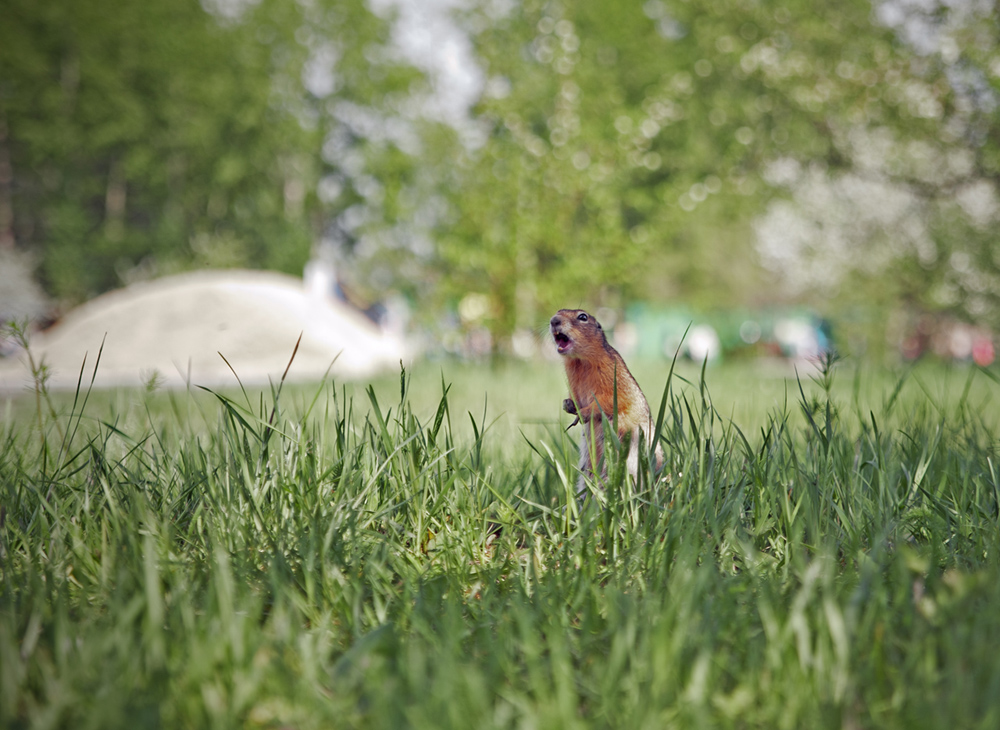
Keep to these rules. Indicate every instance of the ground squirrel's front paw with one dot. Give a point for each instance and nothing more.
(570, 407)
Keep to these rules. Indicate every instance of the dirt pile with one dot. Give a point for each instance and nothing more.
(177, 326)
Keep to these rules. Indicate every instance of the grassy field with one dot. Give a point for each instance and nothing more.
(815, 554)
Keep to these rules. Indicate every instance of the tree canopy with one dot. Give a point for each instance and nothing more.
(731, 153)
(147, 137)
(724, 153)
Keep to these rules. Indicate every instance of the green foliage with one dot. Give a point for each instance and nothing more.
(354, 564)
(630, 147)
(618, 151)
(142, 133)
(626, 145)
(149, 137)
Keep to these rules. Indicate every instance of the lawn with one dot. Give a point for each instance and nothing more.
(818, 552)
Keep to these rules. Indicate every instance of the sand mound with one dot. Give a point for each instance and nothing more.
(177, 326)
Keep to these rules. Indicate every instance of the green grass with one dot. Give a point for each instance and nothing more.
(818, 555)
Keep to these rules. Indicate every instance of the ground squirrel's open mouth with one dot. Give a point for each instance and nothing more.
(562, 342)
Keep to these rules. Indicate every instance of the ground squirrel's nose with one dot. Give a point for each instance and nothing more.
(555, 320)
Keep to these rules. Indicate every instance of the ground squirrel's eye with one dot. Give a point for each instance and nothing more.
(582, 316)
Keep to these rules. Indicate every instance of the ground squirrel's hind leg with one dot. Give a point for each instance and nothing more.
(632, 460)
(591, 453)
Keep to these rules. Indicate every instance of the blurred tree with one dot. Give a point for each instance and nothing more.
(901, 214)
(629, 147)
(144, 137)
(626, 144)
(618, 151)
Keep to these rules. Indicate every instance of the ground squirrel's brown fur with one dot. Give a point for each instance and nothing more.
(592, 368)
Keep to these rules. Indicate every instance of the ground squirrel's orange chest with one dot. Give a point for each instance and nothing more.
(593, 386)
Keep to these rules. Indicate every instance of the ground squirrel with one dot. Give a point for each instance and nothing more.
(592, 367)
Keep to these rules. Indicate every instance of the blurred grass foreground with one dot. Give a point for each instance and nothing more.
(332, 556)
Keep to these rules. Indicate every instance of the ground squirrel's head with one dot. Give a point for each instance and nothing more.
(576, 333)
